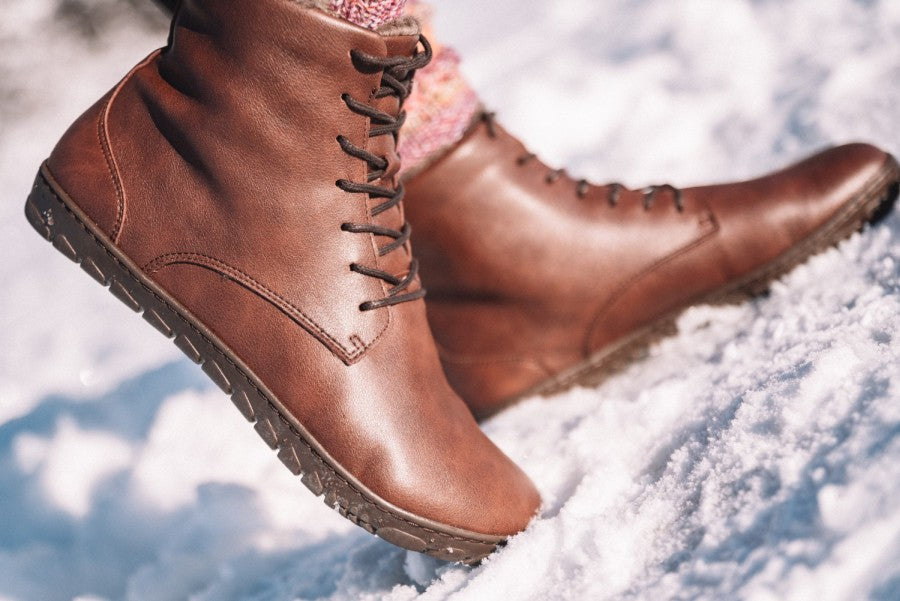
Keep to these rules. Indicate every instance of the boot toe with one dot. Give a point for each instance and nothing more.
(821, 188)
(476, 489)
(859, 172)
(817, 188)
(834, 177)
(509, 501)
(763, 218)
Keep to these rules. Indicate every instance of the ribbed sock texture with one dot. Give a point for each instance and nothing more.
(368, 13)
(442, 105)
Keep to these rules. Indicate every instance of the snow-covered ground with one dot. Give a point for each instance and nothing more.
(755, 456)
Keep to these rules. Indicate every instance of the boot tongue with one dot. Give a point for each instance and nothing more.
(404, 26)
(404, 45)
(396, 262)
(396, 45)
(401, 45)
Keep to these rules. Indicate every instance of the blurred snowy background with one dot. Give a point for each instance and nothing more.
(755, 456)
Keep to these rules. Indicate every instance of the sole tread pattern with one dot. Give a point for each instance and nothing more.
(119, 290)
(91, 268)
(158, 322)
(187, 347)
(242, 402)
(215, 373)
(62, 244)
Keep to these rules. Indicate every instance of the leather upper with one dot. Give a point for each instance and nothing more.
(530, 272)
(213, 165)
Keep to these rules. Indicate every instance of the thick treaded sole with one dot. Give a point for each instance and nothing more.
(871, 205)
(55, 217)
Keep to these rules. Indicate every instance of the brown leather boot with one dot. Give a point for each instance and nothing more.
(538, 282)
(238, 188)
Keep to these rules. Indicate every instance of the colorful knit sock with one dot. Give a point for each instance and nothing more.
(367, 13)
(441, 107)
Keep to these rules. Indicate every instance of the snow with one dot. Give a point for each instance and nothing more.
(754, 456)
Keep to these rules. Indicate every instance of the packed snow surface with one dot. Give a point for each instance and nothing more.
(754, 456)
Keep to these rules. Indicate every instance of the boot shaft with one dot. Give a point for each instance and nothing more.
(225, 149)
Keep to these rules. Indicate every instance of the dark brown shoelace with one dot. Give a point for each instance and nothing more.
(396, 80)
(582, 186)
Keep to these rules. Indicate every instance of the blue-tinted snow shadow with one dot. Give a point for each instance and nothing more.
(124, 548)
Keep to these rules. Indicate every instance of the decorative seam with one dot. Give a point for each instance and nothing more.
(106, 147)
(467, 359)
(201, 260)
(707, 217)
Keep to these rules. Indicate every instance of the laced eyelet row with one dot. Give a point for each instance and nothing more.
(396, 80)
(582, 186)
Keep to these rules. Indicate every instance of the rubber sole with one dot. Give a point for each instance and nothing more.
(869, 206)
(55, 217)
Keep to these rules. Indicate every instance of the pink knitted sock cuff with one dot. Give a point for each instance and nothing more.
(439, 111)
(442, 105)
(368, 13)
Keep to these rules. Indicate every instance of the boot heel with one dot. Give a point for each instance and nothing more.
(50, 217)
(38, 211)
